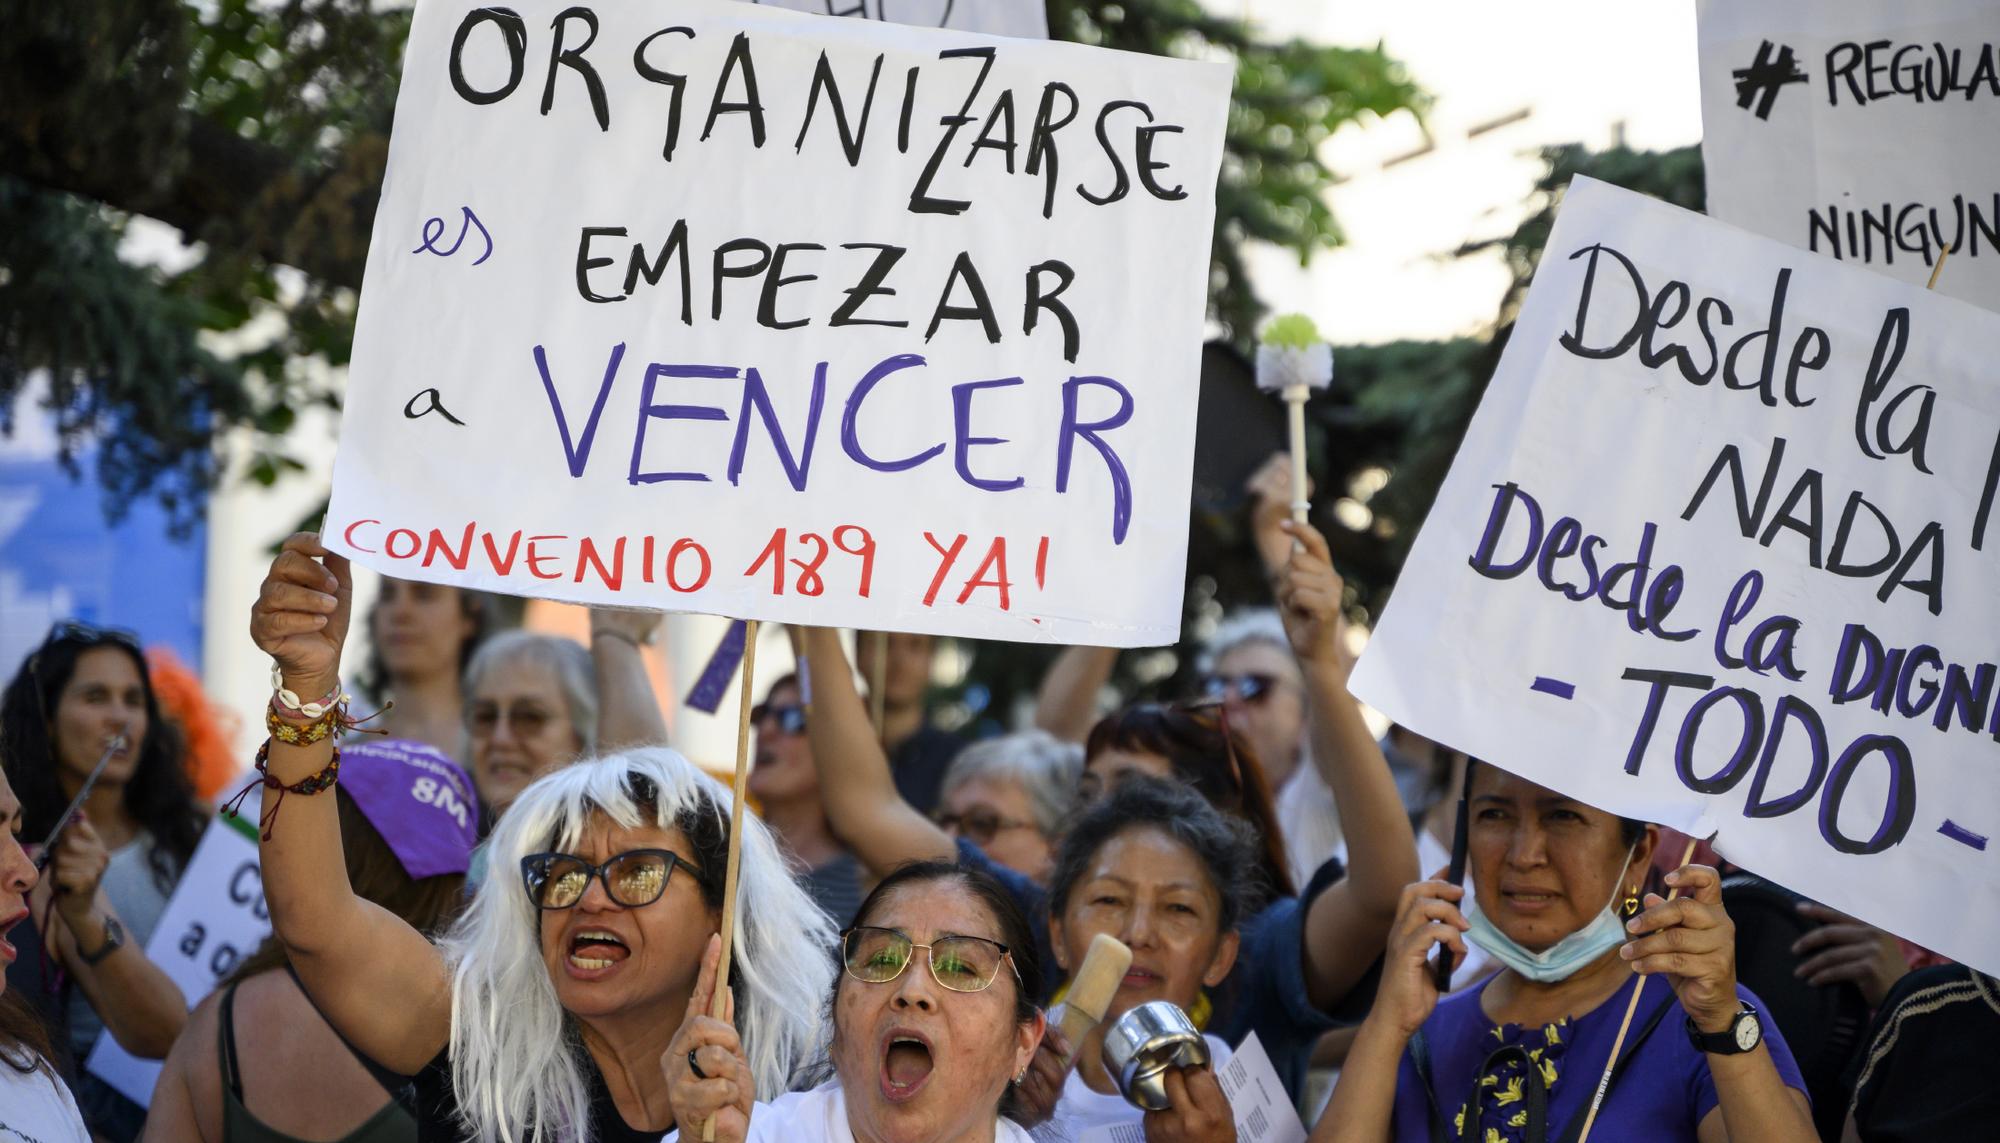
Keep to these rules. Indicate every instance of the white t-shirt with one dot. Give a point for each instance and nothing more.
(1083, 1108)
(1309, 820)
(36, 1107)
(820, 1116)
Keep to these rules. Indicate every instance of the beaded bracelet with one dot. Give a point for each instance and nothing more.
(331, 723)
(334, 722)
(309, 785)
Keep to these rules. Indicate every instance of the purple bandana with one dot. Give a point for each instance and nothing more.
(417, 799)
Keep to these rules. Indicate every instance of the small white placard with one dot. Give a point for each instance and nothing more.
(216, 918)
(1264, 1114)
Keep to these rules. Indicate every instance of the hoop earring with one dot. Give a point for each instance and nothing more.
(1630, 906)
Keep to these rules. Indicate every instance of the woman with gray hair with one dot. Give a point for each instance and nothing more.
(534, 702)
(545, 1013)
(1009, 796)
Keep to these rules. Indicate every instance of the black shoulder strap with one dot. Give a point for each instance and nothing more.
(225, 1039)
(1420, 1055)
(1575, 1129)
(395, 1083)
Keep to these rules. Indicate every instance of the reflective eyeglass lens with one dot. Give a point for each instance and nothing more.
(965, 964)
(962, 964)
(877, 955)
(638, 879)
(560, 883)
(1252, 687)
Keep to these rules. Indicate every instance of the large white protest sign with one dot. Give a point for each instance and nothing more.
(214, 920)
(712, 307)
(1719, 552)
(1859, 129)
(1027, 18)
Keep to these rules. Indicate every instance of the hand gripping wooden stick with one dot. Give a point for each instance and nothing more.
(1617, 1045)
(721, 996)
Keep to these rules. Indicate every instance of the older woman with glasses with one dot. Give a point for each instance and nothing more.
(545, 1012)
(934, 1022)
(534, 702)
(1009, 796)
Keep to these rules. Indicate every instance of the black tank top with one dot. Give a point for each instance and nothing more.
(392, 1124)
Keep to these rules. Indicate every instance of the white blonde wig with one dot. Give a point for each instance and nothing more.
(517, 1062)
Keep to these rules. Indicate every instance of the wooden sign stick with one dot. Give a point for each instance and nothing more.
(721, 995)
(1936, 269)
(1604, 1081)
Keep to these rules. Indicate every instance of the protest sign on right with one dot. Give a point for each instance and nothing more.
(1718, 552)
(1860, 130)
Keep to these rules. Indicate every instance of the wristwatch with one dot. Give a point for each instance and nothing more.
(1743, 1034)
(114, 939)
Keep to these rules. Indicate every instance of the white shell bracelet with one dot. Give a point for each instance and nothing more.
(288, 702)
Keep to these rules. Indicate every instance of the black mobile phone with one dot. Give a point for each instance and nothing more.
(1441, 968)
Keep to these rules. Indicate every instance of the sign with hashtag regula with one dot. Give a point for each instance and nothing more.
(1857, 130)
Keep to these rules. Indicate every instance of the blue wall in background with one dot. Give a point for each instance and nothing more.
(60, 559)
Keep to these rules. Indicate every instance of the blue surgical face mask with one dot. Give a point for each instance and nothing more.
(1561, 960)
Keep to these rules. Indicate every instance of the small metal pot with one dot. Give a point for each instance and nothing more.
(1143, 1044)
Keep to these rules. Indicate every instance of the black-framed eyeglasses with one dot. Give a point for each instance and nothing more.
(876, 955)
(979, 824)
(633, 879)
(790, 716)
(1252, 687)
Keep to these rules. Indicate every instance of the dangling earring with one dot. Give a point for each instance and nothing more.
(1023, 1075)
(1630, 906)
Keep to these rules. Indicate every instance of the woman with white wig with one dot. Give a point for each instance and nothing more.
(544, 1014)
